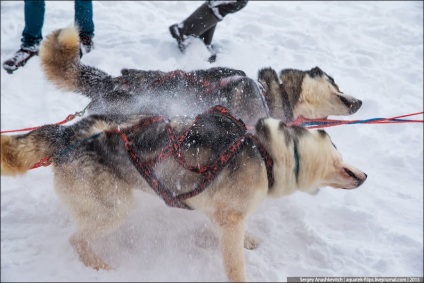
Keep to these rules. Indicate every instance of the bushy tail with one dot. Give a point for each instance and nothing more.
(60, 59)
(59, 56)
(20, 152)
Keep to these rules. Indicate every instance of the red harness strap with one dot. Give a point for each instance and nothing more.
(208, 172)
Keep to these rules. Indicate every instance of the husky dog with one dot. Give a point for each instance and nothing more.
(100, 194)
(311, 94)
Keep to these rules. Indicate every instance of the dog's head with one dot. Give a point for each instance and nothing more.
(314, 94)
(305, 159)
(323, 163)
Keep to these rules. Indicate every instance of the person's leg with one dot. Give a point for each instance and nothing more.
(84, 21)
(31, 36)
(223, 8)
(34, 20)
(207, 39)
(202, 22)
(208, 35)
(84, 17)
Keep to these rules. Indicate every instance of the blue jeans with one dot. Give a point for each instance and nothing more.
(34, 20)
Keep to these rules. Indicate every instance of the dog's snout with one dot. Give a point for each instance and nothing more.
(354, 106)
(358, 177)
(362, 180)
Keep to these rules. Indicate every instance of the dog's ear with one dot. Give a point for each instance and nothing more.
(292, 80)
(282, 125)
(266, 76)
(299, 130)
(322, 133)
(262, 129)
(314, 72)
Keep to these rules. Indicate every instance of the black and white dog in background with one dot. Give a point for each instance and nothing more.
(292, 93)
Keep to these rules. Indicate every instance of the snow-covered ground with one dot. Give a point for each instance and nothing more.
(374, 50)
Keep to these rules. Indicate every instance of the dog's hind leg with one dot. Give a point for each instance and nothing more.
(231, 237)
(99, 202)
(95, 220)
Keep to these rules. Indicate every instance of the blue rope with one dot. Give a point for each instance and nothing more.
(316, 123)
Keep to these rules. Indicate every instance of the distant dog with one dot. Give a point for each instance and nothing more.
(115, 154)
(311, 94)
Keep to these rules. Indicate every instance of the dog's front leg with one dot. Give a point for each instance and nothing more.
(231, 239)
(86, 253)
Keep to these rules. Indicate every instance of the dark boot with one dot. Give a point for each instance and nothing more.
(197, 24)
(207, 39)
(20, 58)
(86, 44)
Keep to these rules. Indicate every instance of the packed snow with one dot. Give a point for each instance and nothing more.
(374, 51)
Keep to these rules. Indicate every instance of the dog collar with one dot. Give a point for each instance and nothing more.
(296, 160)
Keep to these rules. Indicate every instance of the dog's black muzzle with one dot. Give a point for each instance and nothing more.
(352, 105)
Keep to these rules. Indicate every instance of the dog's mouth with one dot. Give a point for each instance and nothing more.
(357, 180)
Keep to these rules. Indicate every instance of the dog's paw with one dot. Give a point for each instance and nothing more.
(104, 266)
(250, 241)
(95, 262)
(100, 264)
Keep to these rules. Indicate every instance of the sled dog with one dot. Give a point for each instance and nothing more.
(110, 154)
(292, 93)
